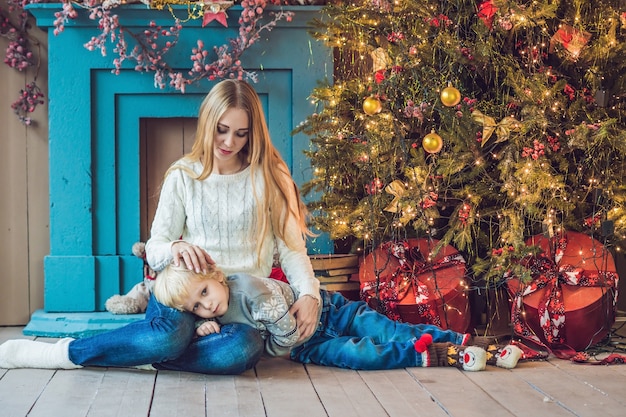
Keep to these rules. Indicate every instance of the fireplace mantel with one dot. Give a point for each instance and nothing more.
(94, 120)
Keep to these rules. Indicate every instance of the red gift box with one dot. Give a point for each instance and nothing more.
(414, 286)
(570, 303)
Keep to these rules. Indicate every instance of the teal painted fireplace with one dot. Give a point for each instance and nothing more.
(94, 124)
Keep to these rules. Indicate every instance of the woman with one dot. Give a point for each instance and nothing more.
(230, 202)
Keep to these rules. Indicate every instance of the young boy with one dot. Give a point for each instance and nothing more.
(349, 333)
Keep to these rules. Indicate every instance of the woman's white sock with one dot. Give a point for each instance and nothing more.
(24, 353)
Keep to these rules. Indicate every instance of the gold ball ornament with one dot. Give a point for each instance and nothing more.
(432, 142)
(450, 96)
(372, 105)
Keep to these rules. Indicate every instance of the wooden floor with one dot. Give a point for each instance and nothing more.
(278, 387)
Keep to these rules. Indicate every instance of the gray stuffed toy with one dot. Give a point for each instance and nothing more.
(136, 300)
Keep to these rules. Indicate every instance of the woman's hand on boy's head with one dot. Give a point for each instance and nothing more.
(305, 311)
(208, 327)
(194, 257)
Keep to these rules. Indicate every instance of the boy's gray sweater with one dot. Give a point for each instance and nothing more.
(264, 304)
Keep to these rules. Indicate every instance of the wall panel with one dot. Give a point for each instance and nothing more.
(24, 200)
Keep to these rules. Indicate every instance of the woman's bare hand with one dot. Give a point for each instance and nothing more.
(305, 312)
(194, 257)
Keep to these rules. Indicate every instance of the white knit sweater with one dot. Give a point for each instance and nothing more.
(218, 214)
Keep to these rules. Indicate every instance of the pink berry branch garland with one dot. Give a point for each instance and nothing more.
(14, 26)
(151, 45)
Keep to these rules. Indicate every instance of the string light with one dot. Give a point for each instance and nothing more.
(510, 196)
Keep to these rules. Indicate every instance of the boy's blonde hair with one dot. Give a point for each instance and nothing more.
(171, 287)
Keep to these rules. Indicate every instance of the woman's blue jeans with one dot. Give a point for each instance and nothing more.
(165, 339)
(353, 335)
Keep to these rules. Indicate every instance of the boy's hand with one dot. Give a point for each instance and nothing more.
(208, 327)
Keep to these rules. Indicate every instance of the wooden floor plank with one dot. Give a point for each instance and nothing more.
(343, 392)
(617, 369)
(178, 394)
(457, 394)
(607, 381)
(20, 389)
(123, 393)
(7, 333)
(515, 394)
(69, 393)
(287, 390)
(228, 395)
(280, 388)
(567, 391)
(401, 394)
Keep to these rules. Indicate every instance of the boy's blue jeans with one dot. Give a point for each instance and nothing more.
(353, 335)
(165, 340)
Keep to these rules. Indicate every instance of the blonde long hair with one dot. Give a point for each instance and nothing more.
(281, 197)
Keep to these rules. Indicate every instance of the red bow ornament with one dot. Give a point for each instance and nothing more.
(572, 39)
(216, 10)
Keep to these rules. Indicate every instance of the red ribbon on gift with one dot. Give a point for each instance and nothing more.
(386, 292)
(551, 309)
(611, 359)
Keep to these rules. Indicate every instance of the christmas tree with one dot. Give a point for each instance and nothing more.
(476, 123)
